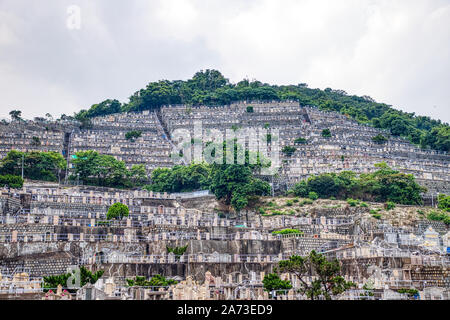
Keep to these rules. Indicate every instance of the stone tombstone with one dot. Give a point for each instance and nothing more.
(14, 236)
(431, 238)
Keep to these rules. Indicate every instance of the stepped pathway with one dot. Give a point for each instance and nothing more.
(166, 134)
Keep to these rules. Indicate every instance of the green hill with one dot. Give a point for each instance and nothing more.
(211, 88)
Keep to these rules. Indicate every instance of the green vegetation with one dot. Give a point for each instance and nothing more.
(439, 216)
(300, 141)
(352, 202)
(117, 211)
(287, 231)
(232, 183)
(11, 181)
(156, 281)
(313, 195)
(368, 290)
(103, 108)
(288, 150)
(103, 170)
(379, 139)
(250, 109)
(390, 205)
(45, 166)
(272, 281)
(86, 276)
(326, 133)
(15, 115)
(410, 292)
(444, 202)
(35, 141)
(377, 216)
(133, 135)
(383, 185)
(181, 178)
(177, 251)
(328, 281)
(210, 87)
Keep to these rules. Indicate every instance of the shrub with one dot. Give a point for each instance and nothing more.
(363, 205)
(262, 211)
(390, 205)
(379, 139)
(444, 202)
(272, 281)
(287, 231)
(439, 216)
(12, 181)
(326, 133)
(288, 150)
(307, 201)
(377, 216)
(132, 135)
(300, 141)
(250, 109)
(352, 202)
(289, 203)
(177, 251)
(313, 195)
(117, 211)
(301, 189)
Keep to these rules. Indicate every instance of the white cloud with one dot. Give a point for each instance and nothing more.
(395, 51)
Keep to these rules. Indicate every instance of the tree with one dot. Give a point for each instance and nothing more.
(288, 150)
(177, 251)
(444, 202)
(15, 182)
(37, 165)
(327, 282)
(133, 135)
(117, 211)
(138, 175)
(156, 281)
(15, 115)
(379, 139)
(273, 282)
(326, 133)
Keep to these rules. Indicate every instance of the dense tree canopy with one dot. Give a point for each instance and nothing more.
(210, 87)
(15, 182)
(104, 170)
(181, 178)
(36, 165)
(231, 182)
(327, 282)
(383, 185)
(117, 211)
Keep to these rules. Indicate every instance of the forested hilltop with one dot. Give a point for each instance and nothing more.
(211, 88)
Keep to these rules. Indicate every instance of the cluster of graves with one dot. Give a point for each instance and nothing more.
(48, 229)
(107, 135)
(54, 229)
(350, 146)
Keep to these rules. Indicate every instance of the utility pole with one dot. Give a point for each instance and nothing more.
(22, 165)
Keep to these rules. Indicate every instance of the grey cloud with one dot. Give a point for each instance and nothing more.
(395, 51)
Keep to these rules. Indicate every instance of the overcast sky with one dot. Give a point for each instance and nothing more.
(397, 52)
